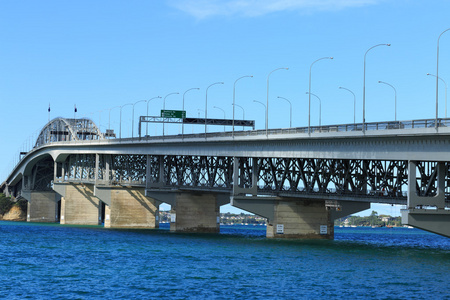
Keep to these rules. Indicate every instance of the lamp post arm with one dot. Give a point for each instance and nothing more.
(364, 85)
(309, 91)
(437, 74)
(267, 102)
(395, 94)
(290, 110)
(234, 94)
(120, 123)
(132, 117)
(206, 104)
(354, 103)
(148, 101)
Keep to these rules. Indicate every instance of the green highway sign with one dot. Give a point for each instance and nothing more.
(179, 114)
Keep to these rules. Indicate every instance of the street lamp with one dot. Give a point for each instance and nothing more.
(132, 118)
(148, 101)
(290, 114)
(120, 122)
(309, 92)
(243, 113)
(109, 120)
(395, 93)
(320, 108)
(267, 106)
(364, 85)
(224, 115)
(100, 119)
(354, 103)
(182, 125)
(445, 92)
(164, 107)
(234, 94)
(206, 105)
(437, 76)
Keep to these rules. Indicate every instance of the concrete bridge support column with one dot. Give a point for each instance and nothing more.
(43, 206)
(299, 219)
(193, 212)
(79, 206)
(128, 208)
(427, 213)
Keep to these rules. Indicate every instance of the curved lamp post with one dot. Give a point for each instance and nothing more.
(148, 101)
(182, 125)
(206, 105)
(267, 102)
(395, 93)
(164, 106)
(132, 118)
(445, 92)
(234, 94)
(364, 85)
(290, 110)
(354, 103)
(309, 91)
(265, 107)
(437, 75)
(120, 122)
(320, 108)
(243, 113)
(224, 115)
(109, 120)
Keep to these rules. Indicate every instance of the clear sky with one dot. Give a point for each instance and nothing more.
(101, 54)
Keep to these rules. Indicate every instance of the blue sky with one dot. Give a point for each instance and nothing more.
(103, 54)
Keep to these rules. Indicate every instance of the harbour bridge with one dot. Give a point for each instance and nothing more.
(300, 179)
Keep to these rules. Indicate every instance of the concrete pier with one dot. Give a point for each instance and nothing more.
(290, 218)
(43, 207)
(79, 206)
(192, 211)
(195, 213)
(301, 219)
(130, 208)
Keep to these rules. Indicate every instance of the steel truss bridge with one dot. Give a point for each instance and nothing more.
(351, 162)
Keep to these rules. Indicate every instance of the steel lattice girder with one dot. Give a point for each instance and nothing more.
(330, 175)
(274, 175)
(198, 171)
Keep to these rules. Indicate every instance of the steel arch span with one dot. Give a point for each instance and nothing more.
(61, 129)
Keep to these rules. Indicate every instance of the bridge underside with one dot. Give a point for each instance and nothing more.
(300, 197)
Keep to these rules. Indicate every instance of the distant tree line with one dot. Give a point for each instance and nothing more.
(373, 220)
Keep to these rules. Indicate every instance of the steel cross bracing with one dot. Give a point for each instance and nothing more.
(287, 177)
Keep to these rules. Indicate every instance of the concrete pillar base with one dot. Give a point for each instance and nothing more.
(131, 209)
(195, 213)
(43, 207)
(301, 219)
(79, 206)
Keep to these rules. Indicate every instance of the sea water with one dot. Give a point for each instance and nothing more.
(49, 261)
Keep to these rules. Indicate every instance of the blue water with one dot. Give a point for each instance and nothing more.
(41, 261)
